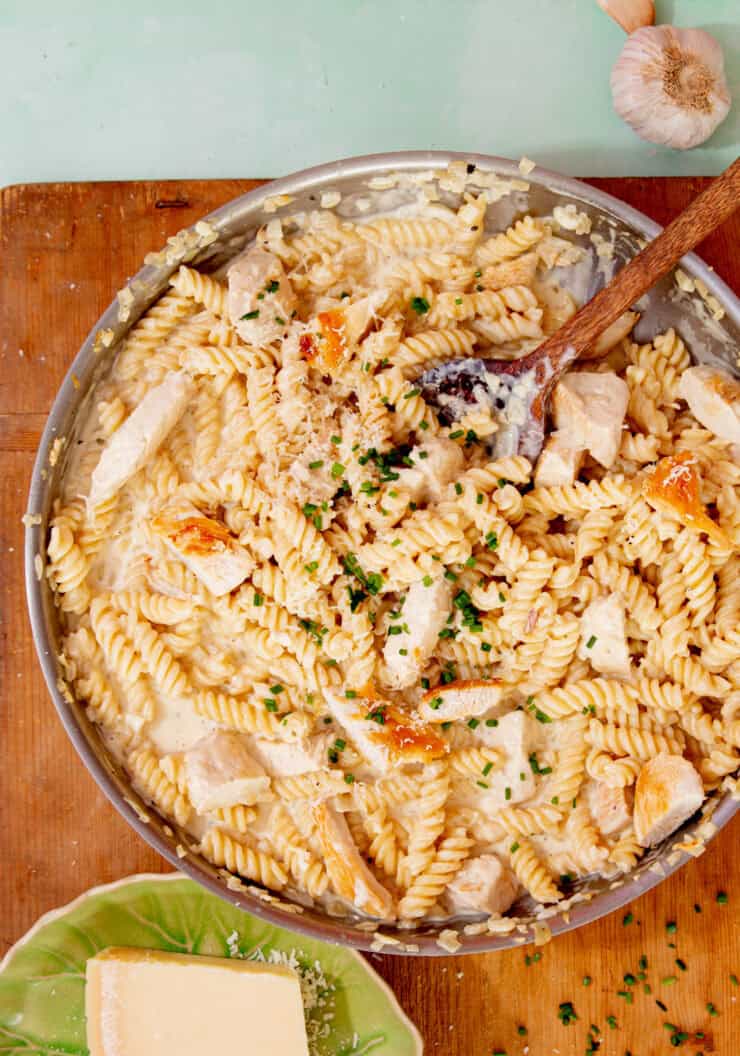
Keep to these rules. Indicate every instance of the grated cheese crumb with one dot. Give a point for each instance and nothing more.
(29, 519)
(449, 940)
(683, 281)
(181, 851)
(571, 219)
(55, 450)
(38, 567)
(526, 165)
(276, 201)
(329, 199)
(125, 300)
(542, 934)
(139, 811)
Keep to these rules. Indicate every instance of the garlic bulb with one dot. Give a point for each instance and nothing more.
(629, 14)
(669, 85)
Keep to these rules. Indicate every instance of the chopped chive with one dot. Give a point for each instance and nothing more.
(411, 393)
(486, 647)
(340, 745)
(337, 469)
(349, 778)
(722, 898)
(591, 642)
(420, 305)
(507, 793)
(566, 1013)
(491, 722)
(251, 315)
(257, 600)
(612, 1021)
(336, 439)
(587, 980)
(671, 927)
(317, 464)
(697, 907)
(734, 979)
(628, 918)
(663, 1007)
(270, 704)
(521, 1031)
(711, 1009)
(350, 694)
(487, 769)
(277, 688)
(458, 488)
(482, 784)
(681, 964)
(456, 436)
(643, 962)
(472, 723)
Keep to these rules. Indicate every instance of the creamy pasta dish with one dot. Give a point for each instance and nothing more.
(350, 654)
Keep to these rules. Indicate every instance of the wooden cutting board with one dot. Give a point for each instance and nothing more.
(65, 249)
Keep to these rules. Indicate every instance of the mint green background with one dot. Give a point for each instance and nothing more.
(102, 89)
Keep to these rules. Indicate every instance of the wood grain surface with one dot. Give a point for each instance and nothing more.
(65, 248)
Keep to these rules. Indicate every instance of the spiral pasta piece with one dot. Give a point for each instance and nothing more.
(426, 888)
(242, 859)
(531, 872)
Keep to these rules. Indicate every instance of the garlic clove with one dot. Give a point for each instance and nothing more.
(669, 85)
(629, 14)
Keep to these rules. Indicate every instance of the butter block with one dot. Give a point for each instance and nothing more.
(150, 1003)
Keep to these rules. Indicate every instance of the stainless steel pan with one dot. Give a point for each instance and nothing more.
(209, 246)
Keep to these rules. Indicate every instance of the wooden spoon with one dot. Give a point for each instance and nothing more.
(517, 390)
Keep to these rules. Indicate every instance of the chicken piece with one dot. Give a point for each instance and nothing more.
(483, 885)
(314, 485)
(140, 436)
(559, 462)
(515, 735)
(604, 638)
(220, 772)
(714, 398)
(349, 876)
(613, 334)
(673, 488)
(667, 792)
(360, 313)
(287, 758)
(261, 300)
(461, 700)
(424, 613)
(610, 808)
(385, 735)
(442, 462)
(205, 546)
(589, 410)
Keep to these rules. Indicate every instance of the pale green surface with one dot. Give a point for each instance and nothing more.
(242, 88)
(42, 981)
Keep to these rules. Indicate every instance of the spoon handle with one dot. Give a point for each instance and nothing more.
(706, 212)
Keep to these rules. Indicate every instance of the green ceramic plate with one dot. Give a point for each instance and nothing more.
(42, 979)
